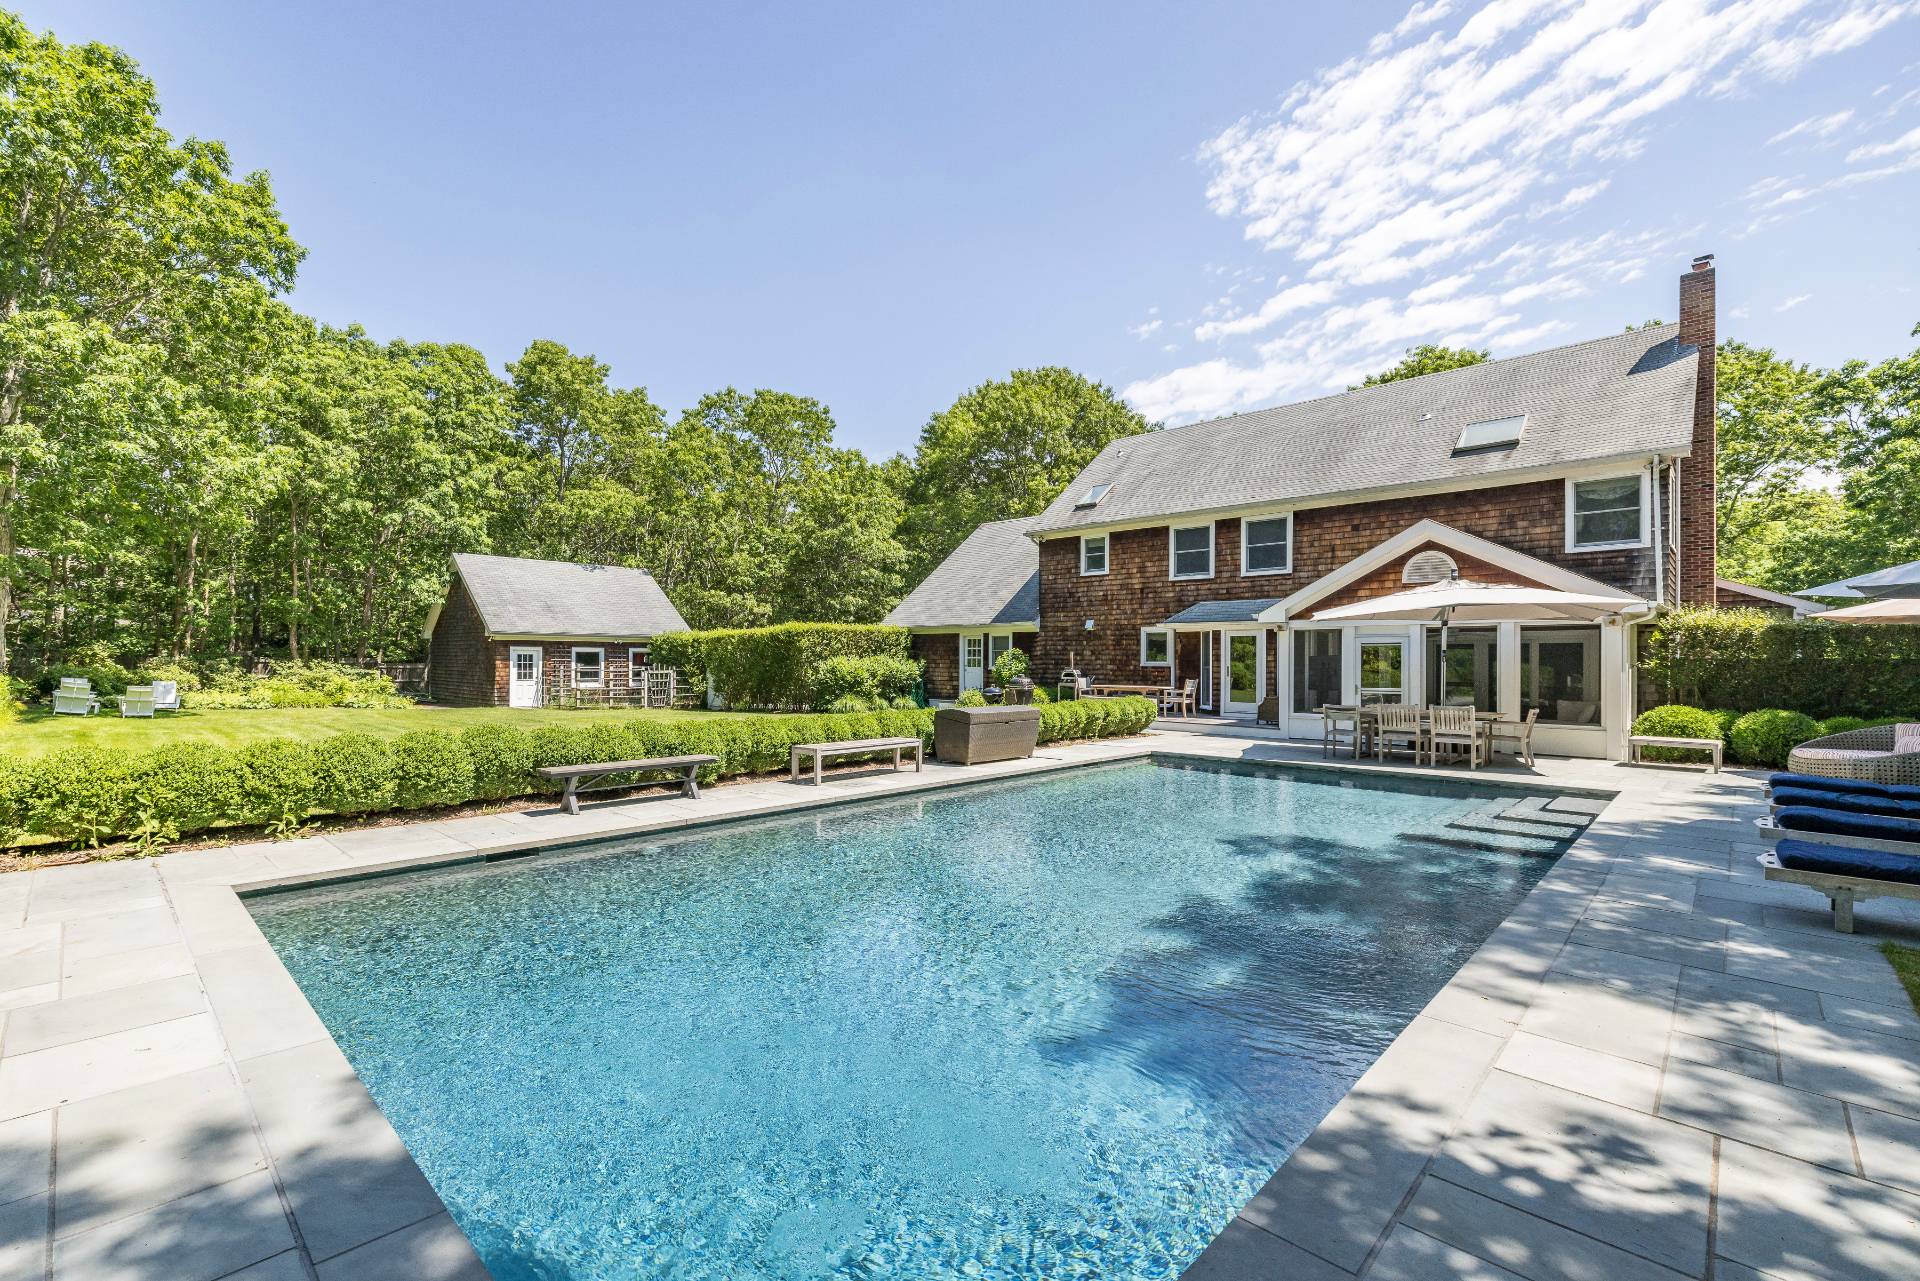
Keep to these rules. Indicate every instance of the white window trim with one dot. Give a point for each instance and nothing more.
(1245, 572)
(1172, 573)
(1150, 631)
(574, 668)
(1646, 513)
(1106, 555)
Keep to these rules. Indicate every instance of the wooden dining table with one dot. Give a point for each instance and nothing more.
(1113, 689)
(1366, 718)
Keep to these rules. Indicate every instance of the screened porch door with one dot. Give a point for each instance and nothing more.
(1243, 673)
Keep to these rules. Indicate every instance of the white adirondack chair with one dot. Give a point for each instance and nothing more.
(75, 697)
(137, 701)
(166, 696)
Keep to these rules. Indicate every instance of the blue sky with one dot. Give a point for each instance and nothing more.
(1210, 206)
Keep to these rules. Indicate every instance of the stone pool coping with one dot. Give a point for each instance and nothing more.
(171, 1107)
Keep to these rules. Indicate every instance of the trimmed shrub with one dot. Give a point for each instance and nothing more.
(430, 770)
(1010, 667)
(775, 667)
(971, 698)
(81, 795)
(1725, 717)
(502, 759)
(1750, 658)
(1677, 720)
(1766, 736)
(184, 787)
(107, 677)
(354, 775)
(279, 782)
(874, 680)
(86, 795)
(1838, 725)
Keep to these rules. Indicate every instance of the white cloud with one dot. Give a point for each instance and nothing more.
(1306, 294)
(1411, 185)
(1906, 144)
(1790, 303)
(1815, 126)
(1739, 313)
(1145, 329)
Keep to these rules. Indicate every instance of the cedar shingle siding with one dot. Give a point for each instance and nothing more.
(464, 668)
(1136, 590)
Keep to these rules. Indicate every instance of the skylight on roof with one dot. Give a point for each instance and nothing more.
(1491, 434)
(1092, 497)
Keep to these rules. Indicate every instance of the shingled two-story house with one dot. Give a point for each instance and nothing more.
(1204, 552)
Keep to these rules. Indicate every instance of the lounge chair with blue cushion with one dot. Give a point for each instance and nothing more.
(1845, 802)
(1851, 786)
(1845, 874)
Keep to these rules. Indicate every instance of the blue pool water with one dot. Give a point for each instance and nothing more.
(1056, 1028)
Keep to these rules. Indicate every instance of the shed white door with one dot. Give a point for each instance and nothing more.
(973, 662)
(523, 676)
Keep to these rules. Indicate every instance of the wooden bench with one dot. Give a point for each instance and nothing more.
(1635, 742)
(580, 778)
(853, 747)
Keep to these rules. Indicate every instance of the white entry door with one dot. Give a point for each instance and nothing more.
(1243, 673)
(973, 662)
(523, 676)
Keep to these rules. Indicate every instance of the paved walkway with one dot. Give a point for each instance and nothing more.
(1658, 1061)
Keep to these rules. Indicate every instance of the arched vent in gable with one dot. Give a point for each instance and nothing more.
(1428, 567)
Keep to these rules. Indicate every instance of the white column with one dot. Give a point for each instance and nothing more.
(1507, 651)
(1616, 688)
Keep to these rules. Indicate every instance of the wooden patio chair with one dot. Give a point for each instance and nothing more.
(1399, 728)
(1182, 701)
(137, 701)
(1457, 727)
(166, 696)
(1517, 733)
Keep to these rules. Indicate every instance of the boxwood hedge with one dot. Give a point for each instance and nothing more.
(86, 795)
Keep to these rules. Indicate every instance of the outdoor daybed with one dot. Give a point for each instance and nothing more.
(1851, 786)
(1878, 754)
(1845, 874)
(1845, 802)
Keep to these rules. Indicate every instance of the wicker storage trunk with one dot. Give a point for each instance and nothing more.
(973, 735)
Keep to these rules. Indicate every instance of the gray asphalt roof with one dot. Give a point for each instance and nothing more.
(993, 578)
(1627, 394)
(1225, 611)
(519, 597)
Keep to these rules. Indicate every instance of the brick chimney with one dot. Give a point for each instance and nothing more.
(1699, 553)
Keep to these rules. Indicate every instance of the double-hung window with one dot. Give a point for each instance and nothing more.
(1093, 554)
(589, 667)
(1266, 545)
(1190, 549)
(1156, 647)
(1611, 511)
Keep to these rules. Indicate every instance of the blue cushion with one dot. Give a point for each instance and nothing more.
(1852, 803)
(1844, 860)
(1852, 786)
(1807, 818)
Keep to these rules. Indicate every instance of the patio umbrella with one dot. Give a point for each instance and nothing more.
(1885, 609)
(1459, 600)
(1900, 580)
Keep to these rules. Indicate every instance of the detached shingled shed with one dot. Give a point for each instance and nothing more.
(512, 631)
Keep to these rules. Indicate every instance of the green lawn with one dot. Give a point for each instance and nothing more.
(1906, 963)
(39, 731)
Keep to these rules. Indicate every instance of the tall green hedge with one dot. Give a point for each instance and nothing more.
(1750, 658)
(773, 668)
(87, 795)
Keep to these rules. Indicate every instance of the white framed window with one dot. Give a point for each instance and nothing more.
(1608, 511)
(1494, 433)
(589, 667)
(1266, 546)
(997, 645)
(1156, 647)
(1190, 551)
(636, 658)
(526, 665)
(1092, 497)
(1093, 554)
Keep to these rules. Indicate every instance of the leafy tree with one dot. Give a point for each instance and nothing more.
(115, 237)
(1005, 449)
(562, 405)
(1427, 358)
(1778, 422)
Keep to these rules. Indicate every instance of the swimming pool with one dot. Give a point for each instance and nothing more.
(1059, 1027)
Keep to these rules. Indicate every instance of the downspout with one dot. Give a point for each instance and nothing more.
(1659, 536)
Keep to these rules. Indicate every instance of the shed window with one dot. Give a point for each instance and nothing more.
(1192, 551)
(588, 668)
